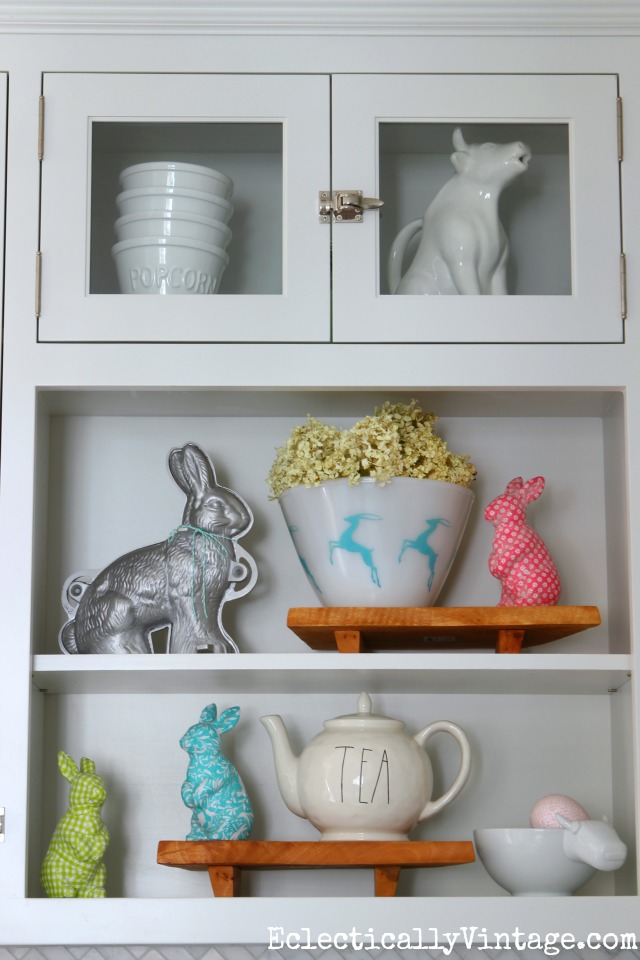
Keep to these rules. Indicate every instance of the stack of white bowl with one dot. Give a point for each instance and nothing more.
(172, 228)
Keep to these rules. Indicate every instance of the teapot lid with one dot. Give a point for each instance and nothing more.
(364, 716)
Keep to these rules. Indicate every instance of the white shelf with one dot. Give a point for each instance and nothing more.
(206, 920)
(464, 672)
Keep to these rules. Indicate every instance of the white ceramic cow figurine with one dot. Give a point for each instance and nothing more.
(594, 842)
(463, 248)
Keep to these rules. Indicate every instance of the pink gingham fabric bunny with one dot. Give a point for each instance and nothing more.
(519, 559)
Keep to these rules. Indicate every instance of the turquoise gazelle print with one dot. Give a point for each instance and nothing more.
(422, 545)
(347, 542)
(305, 566)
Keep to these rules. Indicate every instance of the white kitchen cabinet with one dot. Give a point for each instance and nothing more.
(391, 139)
(100, 386)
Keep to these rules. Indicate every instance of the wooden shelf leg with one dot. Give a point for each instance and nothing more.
(509, 641)
(386, 880)
(349, 641)
(225, 880)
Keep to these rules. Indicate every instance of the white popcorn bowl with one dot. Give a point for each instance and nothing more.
(168, 265)
(167, 223)
(152, 199)
(189, 176)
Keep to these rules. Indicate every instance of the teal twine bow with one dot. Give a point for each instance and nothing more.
(220, 548)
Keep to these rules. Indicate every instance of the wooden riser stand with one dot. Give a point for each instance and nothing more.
(225, 859)
(503, 629)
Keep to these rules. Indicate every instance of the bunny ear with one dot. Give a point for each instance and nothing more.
(176, 467)
(209, 714)
(532, 489)
(191, 468)
(514, 488)
(197, 469)
(87, 765)
(68, 766)
(228, 719)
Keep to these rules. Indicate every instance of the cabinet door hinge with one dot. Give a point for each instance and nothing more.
(40, 128)
(38, 282)
(620, 129)
(1, 824)
(623, 286)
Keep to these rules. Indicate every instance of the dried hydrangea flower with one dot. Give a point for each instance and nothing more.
(397, 441)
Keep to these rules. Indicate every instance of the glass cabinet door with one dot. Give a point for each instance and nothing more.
(527, 176)
(135, 254)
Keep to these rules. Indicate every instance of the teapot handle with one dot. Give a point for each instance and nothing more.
(446, 726)
(397, 252)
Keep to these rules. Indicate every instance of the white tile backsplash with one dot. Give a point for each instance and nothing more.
(257, 952)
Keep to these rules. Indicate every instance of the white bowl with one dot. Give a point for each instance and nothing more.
(368, 545)
(167, 223)
(189, 176)
(168, 265)
(530, 862)
(150, 199)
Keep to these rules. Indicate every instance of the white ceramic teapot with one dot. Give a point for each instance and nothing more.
(363, 777)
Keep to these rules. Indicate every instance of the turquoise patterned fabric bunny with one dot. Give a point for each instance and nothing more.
(73, 864)
(221, 809)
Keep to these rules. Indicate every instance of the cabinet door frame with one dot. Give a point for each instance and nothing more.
(68, 312)
(586, 104)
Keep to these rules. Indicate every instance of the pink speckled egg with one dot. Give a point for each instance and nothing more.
(544, 812)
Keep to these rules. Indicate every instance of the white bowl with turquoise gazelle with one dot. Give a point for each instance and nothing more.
(373, 545)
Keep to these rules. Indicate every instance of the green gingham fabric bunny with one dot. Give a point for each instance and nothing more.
(73, 864)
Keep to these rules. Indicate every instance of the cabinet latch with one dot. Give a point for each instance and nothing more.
(345, 206)
(1, 824)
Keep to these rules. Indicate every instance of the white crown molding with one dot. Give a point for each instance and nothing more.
(316, 17)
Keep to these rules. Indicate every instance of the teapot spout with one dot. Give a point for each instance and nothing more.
(286, 763)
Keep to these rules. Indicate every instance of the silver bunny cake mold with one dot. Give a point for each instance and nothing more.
(180, 583)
